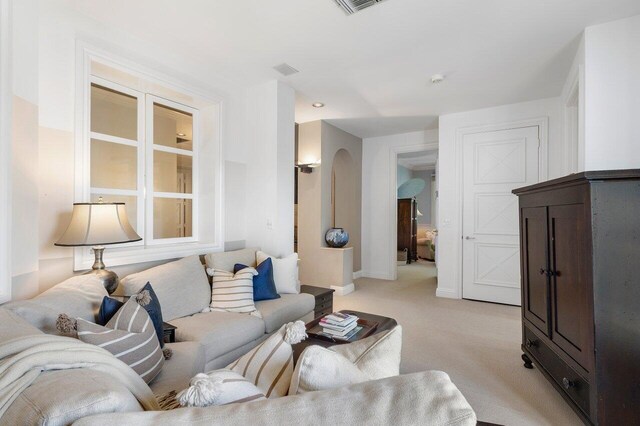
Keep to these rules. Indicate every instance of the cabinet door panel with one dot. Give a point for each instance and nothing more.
(535, 263)
(571, 324)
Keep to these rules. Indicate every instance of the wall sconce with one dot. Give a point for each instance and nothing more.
(308, 167)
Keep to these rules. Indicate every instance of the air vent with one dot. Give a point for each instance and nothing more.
(285, 69)
(353, 6)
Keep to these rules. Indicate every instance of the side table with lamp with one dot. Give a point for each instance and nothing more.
(97, 225)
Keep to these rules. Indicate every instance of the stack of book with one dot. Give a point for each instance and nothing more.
(340, 326)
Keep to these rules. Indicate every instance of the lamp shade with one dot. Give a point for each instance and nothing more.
(98, 224)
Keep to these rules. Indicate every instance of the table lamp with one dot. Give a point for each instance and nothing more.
(97, 225)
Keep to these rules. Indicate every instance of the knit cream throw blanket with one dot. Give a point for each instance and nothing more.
(23, 359)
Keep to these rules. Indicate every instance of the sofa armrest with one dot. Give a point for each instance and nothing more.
(429, 397)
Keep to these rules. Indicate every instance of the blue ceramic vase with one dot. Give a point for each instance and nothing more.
(336, 237)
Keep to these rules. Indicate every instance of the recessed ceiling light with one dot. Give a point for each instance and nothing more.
(181, 134)
(317, 104)
(437, 78)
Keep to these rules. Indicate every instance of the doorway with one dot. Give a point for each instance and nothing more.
(415, 204)
(494, 163)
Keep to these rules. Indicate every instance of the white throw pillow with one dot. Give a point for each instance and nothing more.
(285, 272)
(373, 358)
(233, 292)
(270, 365)
(218, 387)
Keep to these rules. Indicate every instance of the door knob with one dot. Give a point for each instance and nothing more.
(469, 238)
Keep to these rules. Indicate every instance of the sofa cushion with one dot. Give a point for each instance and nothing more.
(225, 387)
(429, 398)
(233, 292)
(226, 260)
(64, 396)
(182, 286)
(12, 326)
(187, 360)
(376, 357)
(78, 297)
(218, 332)
(289, 307)
(285, 272)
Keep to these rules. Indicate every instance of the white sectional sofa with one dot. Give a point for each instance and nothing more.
(206, 341)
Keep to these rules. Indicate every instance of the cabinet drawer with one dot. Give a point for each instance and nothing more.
(323, 306)
(569, 381)
(323, 312)
(324, 299)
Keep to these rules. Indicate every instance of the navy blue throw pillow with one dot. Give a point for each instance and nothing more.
(151, 304)
(108, 309)
(264, 287)
(147, 299)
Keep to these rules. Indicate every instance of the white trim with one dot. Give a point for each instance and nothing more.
(446, 293)
(113, 139)
(393, 201)
(125, 254)
(180, 195)
(357, 274)
(110, 191)
(543, 164)
(6, 99)
(343, 290)
(573, 141)
(171, 150)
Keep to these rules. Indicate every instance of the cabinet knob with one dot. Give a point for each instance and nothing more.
(566, 383)
(542, 271)
(530, 343)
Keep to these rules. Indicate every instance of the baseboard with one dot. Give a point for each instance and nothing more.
(376, 275)
(343, 290)
(446, 293)
(357, 274)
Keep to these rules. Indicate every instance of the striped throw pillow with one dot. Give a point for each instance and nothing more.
(233, 292)
(270, 365)
(130, 337)
(218, 387)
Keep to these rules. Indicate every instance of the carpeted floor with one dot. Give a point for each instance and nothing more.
(477, 344)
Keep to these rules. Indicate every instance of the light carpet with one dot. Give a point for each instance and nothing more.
(477, 344)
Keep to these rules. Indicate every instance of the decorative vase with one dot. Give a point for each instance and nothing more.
(336, 237)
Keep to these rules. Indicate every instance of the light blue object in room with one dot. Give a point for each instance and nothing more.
(411, 188)
(336, 237)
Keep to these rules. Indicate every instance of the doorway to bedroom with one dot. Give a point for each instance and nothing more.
(417, 207)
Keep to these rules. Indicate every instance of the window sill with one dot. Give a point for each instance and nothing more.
(83, 257)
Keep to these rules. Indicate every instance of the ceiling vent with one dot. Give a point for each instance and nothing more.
(353, 6)
(286, 69)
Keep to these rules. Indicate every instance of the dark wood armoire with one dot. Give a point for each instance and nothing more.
(408, 227)
(580, 268)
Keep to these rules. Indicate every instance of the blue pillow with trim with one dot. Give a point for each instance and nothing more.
(147, 299)
(108, 309)
(264, 287)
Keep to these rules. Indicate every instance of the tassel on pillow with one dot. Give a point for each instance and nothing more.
(67, 326)
(202, 391)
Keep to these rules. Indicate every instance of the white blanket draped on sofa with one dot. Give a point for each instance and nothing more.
(22, 359)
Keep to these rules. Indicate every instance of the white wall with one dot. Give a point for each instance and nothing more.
(377, 255)
(44, 61)
(270, 178)
(449, 213)
(612, 105)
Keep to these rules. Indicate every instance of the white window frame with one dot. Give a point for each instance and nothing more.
(126, 254)
(151, 147)
(139, 144)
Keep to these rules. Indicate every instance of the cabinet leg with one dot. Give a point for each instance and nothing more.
(527, 361)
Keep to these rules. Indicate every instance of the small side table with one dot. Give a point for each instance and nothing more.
(169, 332)
(324, 299)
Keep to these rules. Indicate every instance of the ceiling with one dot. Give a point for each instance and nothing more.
(372, 69)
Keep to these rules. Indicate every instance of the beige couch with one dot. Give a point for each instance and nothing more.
(206, 341)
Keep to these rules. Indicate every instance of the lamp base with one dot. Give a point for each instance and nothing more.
(109, 279)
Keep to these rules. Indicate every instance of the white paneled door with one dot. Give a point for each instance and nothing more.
(494, 164)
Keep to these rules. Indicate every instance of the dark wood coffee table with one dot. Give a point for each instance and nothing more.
(383, 324)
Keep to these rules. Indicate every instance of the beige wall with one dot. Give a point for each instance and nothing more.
(321, 141)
